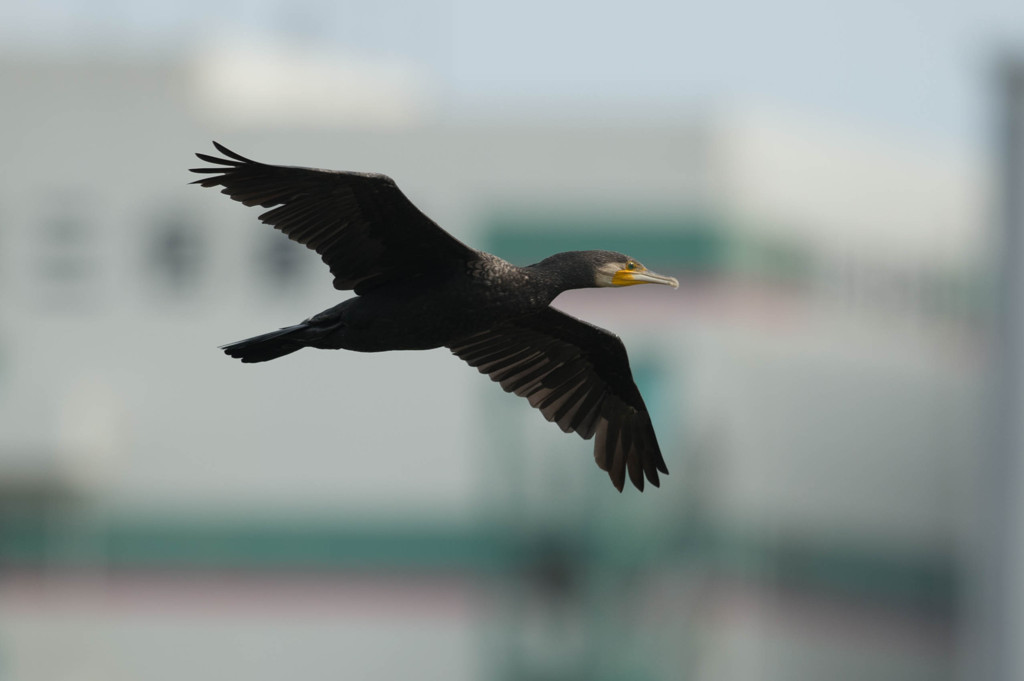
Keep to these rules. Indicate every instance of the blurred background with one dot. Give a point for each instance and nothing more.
(835, 384)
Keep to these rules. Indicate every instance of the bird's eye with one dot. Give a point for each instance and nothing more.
(630, 265)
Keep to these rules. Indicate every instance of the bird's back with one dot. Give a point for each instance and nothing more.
(422, 313)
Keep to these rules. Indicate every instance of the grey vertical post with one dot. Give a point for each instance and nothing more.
(995, 634)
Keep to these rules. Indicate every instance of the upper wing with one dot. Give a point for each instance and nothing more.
(578, 376)
(361, 224)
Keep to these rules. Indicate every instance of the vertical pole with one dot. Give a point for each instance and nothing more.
(995, 615)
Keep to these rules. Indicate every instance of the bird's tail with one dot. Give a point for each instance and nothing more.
(269, 345)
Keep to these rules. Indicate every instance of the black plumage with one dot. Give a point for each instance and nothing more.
(419, 288)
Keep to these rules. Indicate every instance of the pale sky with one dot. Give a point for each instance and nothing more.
(916, 67)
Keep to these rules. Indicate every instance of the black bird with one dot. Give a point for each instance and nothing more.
(418, 288)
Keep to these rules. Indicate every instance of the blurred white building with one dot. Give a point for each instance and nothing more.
(813, 383)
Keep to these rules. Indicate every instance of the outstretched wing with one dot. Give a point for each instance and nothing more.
(578, 376)
(361, 224)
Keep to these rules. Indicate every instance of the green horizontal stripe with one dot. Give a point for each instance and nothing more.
(913, 579)
(689, 243)
(686, 241)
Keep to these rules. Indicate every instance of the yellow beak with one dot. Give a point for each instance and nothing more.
(633, 277)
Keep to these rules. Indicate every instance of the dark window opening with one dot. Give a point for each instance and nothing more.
(177, 253)
(282, 262)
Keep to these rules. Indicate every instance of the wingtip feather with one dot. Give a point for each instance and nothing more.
(231, 154)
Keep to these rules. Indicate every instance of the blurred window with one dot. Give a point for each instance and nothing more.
(177, 253)
(65, 254)
(282, 262)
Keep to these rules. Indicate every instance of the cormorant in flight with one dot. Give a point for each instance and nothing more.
(417, 287)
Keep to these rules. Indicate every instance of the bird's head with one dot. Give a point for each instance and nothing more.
(616, 269)
(589, 269)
